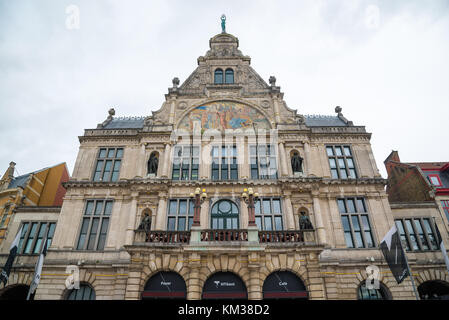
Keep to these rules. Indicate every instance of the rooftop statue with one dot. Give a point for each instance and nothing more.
(223, 23)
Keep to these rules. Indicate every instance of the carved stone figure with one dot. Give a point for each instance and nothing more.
(296, 162)
(145, 224)
(153, 164)
(304, 222)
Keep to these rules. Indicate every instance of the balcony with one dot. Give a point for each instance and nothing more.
(224, 235)
(288, 236)
(162, 237)
(304, 237)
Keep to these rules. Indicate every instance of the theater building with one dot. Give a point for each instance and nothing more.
(225, 192)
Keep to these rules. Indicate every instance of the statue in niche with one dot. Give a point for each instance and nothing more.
(304, 222)
(153, 164)
(145, 224)
(296, 162)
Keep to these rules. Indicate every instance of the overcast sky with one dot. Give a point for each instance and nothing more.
(384, 62)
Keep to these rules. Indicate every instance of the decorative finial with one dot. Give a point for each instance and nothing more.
(272, 81)
(111, 112)
(175, 82)
(338, 110)
(223, 23)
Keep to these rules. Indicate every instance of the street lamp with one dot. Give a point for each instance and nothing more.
(250, 198)
(198, 197)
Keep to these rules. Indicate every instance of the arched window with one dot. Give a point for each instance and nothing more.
(229, 76)
(85, 292)
(165, 285)
(225, 215)
(434, 290)
(224, 285)
(284, 285)
(218, 78)
(373, 294)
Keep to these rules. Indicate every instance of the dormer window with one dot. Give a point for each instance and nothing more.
(435, 180)
(229, 76)
(218, 76)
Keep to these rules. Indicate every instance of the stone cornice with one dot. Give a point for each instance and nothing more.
(288, 183)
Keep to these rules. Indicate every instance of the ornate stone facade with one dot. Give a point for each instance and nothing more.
(321, 257)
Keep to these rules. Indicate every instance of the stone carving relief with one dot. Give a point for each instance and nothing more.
(182, 105)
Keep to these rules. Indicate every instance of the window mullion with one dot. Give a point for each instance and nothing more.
(25, 239)
(417, 236)
(407, 234)
(423, 227)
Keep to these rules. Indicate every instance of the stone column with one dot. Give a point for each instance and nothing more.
(172, 111)
(131, 220)
(204, 215)
(243, 158)
(142, 164)
(205, 162)
(161, 215)
(254, 288)
(373, 161)
(277, 115)
(308, 164)
(243, 214)
(166, 164)
(283, 159)
(193, 283)
(289, 213)
(321, 235)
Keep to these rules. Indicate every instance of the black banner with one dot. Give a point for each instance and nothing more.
(394, 255)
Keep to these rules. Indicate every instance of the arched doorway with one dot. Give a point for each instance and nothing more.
(284, 285)
(224, 285)
(434, 290)
(165, 285)
(15, 292)
(363, 293)
(225, 215)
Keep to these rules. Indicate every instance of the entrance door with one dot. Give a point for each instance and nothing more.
(225, 215)
(224, 285)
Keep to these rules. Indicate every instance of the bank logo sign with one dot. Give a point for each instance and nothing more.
(224, 284)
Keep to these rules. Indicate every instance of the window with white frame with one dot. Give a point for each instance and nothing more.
(95, 224)
(356, 223)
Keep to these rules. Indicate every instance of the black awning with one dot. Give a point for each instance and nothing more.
(224, 285)
(165, 285)
(284, 285)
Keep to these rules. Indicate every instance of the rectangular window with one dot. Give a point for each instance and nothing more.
(268, 214)
(355, 221)
(180, 214)
(341, 162)
(445, 205)
(94, 225)
(224, 163)
(33, 236)
(186, 162)
(417, 234)
(108, 164)
(263, 161)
